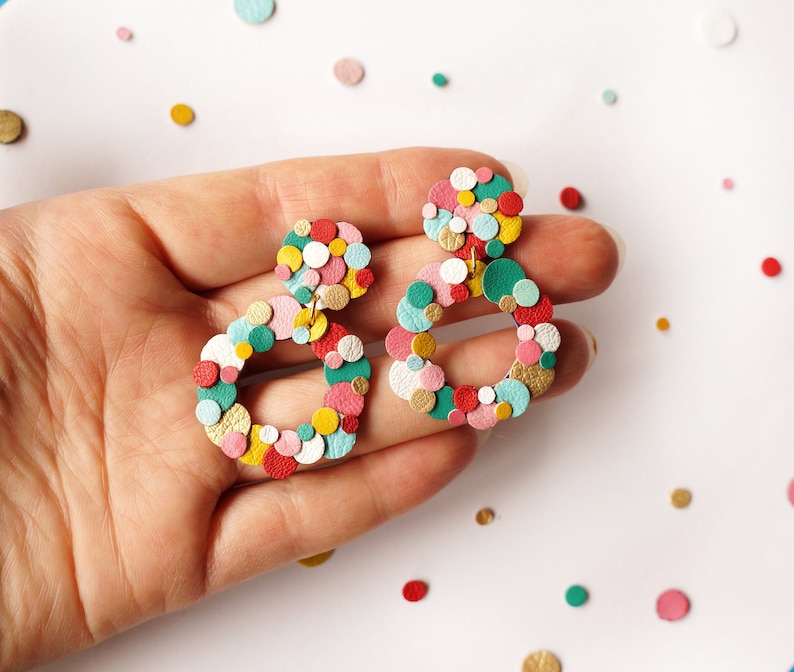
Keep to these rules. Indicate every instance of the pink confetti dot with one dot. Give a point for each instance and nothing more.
(429, 210)
(791, 492)
(234, 444)
(283, 272)
(432, 377)
(124, 34)
(672, 605)
(229, 374)
(311, 278)
(484, 175)
(727, 184)
(288, 443)
(526, 332)
(333, 360)
(348, 71)
(456, 417)
(528, 353)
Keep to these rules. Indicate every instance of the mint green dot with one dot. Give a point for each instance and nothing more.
(609, 97)
(254, 11)
(576, 596)
(261, 338)
(440, 79)
(548, 360)
(526, 293)
(305, 432)
(494, 248)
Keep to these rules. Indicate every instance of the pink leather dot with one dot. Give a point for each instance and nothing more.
(526, 332)
(288, 443)
(483, 174)
(672, 605)
(283, 272)
(229, 374)
(432, 377)
(333, 360)
(528, 353)
(482, 417)
(234, 444)
(311, 278)
(429, 210)
(456, 417)
(398, 343)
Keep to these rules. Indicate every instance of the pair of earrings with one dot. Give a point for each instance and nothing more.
(324, 265)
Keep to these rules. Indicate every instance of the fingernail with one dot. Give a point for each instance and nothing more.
(592, 343)
(619, 244)
(520, 179)
(482, 437)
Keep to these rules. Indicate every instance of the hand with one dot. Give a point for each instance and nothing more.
(115, 505)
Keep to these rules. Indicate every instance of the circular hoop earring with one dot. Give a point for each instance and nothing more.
(473, 215)
(324, 265)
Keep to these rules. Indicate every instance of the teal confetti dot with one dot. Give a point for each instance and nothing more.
(412, 319)
(439, 79)
(515, 393)
(261, 338)
(485, 226)
(609, 97)
(499, 278)
(526, 293)
(493, 189)
(338, 444)
(494, 248)
(548, 360)
(295, 240)
(419, 294)
(576, 596)
(224, 394)
(348, 371)
(433, 226)
(238, 330)
(444, 403)
(254, 11)
(305, 432)
(303, 294)
(301, 335)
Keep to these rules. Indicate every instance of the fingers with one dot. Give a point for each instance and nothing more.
(259, 527)
(221, 228)
(388, 419)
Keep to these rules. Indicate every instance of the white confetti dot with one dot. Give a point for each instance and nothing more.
(458, 224)
(454, 271)
(463, 179)
(486, 395)
(351, 348)
(315, 254)
(311, 451)
(718, 28)
(268, 434)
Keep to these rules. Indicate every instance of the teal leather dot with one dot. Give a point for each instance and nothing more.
(494, 248)
(224, 394)
(412, 319)
(295, 281)
(576, 596)
(526, 293)
(548, 360)
(444, 403)
(493, 189)
(439, 79)
(515, 393)
(414, 362)
(433, 226)
(485, 226)
(305, 432)
(348, 371)
(338, 444)
(261, 338)
(419, 294)
(254, 11)
(238, 330)
(303, 295)
(301, 335)
(499, 278)
(295, 240)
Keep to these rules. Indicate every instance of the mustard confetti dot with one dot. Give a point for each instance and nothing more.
(10, 127)
(256, 448)
(182, 114)
(662, 324)
(484, 516)
(325, 421)
(424, 345)
(314, 560)
(680, 498)
(541, 661)
(503, 410)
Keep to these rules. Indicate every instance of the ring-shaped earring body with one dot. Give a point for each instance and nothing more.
(304, 267)
(473, 214)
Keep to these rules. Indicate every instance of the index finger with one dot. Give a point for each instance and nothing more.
(220, 228)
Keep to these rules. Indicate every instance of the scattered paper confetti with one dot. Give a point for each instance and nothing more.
(576, 596)
(771, 267)
(662, 324)
(182, 114)
(348, 71)
(124, 34)
(680, 498)
(672, 605)
(10, 127)
(728, 184)
(440, 79)
(609, 97)
(413, 591)
(718, 28)
(541, 661)
(254, 11)
(485, 516)
(314, 560)
(570, 198)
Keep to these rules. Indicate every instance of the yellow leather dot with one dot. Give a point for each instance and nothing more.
(325, 421)
(475, 284)
(424, 345)
(256, 448)
(509, 227)
(466, 198)
(243, 350)
(318, 328)
(314, 560)
(337, 247)
(503, 410)
(291, 256)
(353, 287)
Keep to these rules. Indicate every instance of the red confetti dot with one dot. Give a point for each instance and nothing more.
(510, 203)
(771, 267)
(570, 198)
(322, 346)
(465, 398)
(459, 293)
(205, 373)
(365, 277)
(229, 374)
(471, 241)
(349, 424)
(541, 312)
(278, 465)
(413, 591)
(323, 231)
(672, 605)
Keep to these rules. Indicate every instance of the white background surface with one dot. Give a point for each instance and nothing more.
(580, 485)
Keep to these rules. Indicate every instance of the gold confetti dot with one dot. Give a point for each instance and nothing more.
(433, 312)
(507, 304)
(541, 661)
(360, 385)
(680, 498)
(449, 240)
(182, 114)
(424, 345)
(535, 377)
(489, 206)
(259, 312)
(422, 401)
(466, 198)
(337, 247)
(662, 324)
(336, 297)
(503, 410)
(314, 560)
(243, 350)
(10, 127)
(236, 419)
(484, 516)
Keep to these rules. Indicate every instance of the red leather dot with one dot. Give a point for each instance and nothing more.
(349, 424)
(459, 293)
(541, 312)
(322, 346)
(570, 198)
(510, 203)
(205, 373)
(323, 231)
(277, 465)
(771, 267)
(413, 591)
(465, 398)
(365, 277)
(465, 251)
